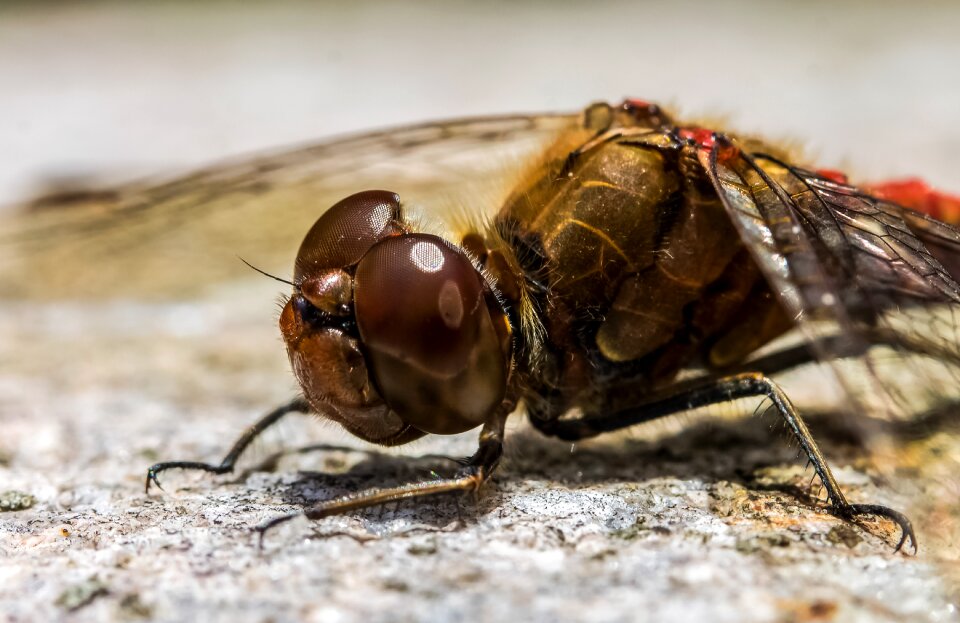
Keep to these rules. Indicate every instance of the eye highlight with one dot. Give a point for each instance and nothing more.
(450, 304)
(427, 257)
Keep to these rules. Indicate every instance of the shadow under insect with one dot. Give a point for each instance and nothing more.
(737, 451)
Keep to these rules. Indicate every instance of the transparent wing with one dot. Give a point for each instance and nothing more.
(174, 238)
(860, 276)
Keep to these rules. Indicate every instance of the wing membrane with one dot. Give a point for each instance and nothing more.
(847, 264)
(173, 238)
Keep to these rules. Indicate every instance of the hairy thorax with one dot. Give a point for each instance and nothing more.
(629, 262)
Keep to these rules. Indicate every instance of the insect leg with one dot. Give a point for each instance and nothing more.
(702, 392)
(841, 347)
(796, 356)
(476, 470)
(298, 405)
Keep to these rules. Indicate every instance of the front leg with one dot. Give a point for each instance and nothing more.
(475, 471)
(298, 405)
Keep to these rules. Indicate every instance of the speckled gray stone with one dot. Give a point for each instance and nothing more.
(697, 521)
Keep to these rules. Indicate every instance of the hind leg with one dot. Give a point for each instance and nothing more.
(702, 392)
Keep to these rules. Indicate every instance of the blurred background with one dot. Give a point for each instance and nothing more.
(99, 92)
(705, 526)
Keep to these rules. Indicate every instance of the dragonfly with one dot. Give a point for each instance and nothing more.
(599, 270)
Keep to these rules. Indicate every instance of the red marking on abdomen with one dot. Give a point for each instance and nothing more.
(637, 103)
(833, 175)
(701, 136)
(706, 139)
(916, 194)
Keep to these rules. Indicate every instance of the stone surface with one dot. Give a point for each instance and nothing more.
(703, 519)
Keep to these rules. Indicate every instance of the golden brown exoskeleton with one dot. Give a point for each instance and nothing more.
(637, 248)
(635, 270)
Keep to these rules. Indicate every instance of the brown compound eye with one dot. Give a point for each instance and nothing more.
(346, 231)
(425, 325)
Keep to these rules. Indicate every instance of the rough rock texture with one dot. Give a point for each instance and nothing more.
(693, 521)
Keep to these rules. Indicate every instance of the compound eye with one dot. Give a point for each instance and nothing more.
(427, 331)
(346, 231)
